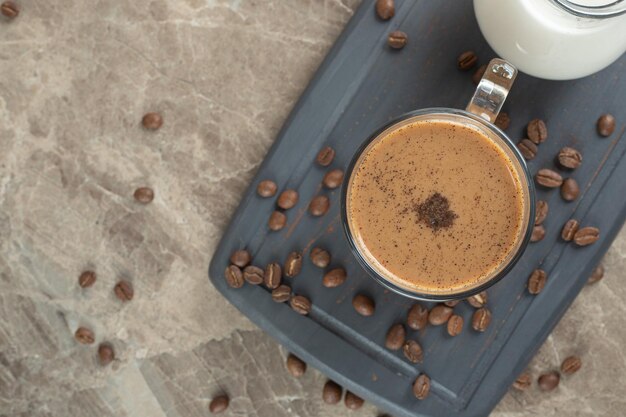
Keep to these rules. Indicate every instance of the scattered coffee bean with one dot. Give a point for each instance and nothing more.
(293, 264)
(273, 275)
(548, 178)
(536, 281)
(527, 148)
(452, 303)
(502, 120)
(241, 258)
(233, 275)
(219, 404)
(295, 365)
(571, 365)
(570, 189)
(549, 381)
(281, 294)
(481, 319)
(287, 199)
(253, 275)
(417, 317)
(332, 392)
(106, 354)
(539, 232)
(152, 121)
(413, 351)
(9, 9)
(523, 382)
(353, 401)
(319, 205)
(320, 257)
(478, 75)
(144, 195)
(596, 275)
(586, 236)
(266, 188)
(125, 292)
(395, 337)
(300, 304)
(439, 314)
(606, 125)
(87, 279)
(541, 212)
(569, 230)
(333, 179)
(570, 158)
(467, 60)
(84, 335)
(421, 387)
(385, 9)
(537, 131)
(277, 221)
(325, 156)
(334, 278)
(478, 300)
(455, 325)
(363, 305)
(397, 39)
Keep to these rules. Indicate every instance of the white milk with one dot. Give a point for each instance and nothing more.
(543, 39)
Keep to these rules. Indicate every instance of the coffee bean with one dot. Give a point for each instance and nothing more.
(144, 195)
(106, 354)
(467, 60)
(569, 189)
(439, 315)
(124, 289)
(549, 381)
(537, 131)
(219, 404)
(293, 264)
(571, 365)
(353, 401)
(586, 236)
(452, 303)
(332, 392)
(266, 188)
(569, 230)
(273, 275)
(417, 317)
(606, 125)
(596, 275)
(397, 39)
(87, 279)
(395, 337)
(363, 305)
(413, 351)
(334, 278)
(478, 75)
(233, 275)
(502, 120)
(295, 365)
(421, 387)
(300, 304)
(539, 232)
(84, 335)
(320, 257)
(319, 205)
(333, 179)
(481, 319)
(10, 9)
(152, 121)
(385, 9)
(527, 148)
(478, 300)
(325, 156)
(541, 212)
(536, 281)
(241, 258)
(287, 199)
(253, 275)
(548, 178)
(455, 325)
(281, 294)
(570, 158)
(523, 382)
(277, 221)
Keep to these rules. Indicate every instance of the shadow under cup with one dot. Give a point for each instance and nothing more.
(375, 268)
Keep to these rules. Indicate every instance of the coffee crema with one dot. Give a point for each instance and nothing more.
(435, 206)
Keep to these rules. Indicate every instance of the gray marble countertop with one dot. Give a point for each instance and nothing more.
(77, 76)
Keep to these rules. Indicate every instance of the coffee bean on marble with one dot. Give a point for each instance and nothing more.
(293, 264)
(452, 303)
(541, 212)
(570, 189)
(478, 74)
(266, 188)
(144, 195)
(549, 381)
(363, 305)
(325, 156)
(241, 258)
(502, 120)
(295, 365)
(125, 292)
(281, 294)
(152, 121)
(571, 365)
(417, 317)
(537, 281)
(439, 314)
(413, 351)
(527, 148)
(9, 9)
(385, 9)
(481, 319)
(333, 178)
(287, 199)
(106, 354)
(353, 401)
(219, 404)
(332, 392)
(421, 387)
(397, 39)
(537, 131)
(570, 158)
(320, 257)
(478, 300)
(84, 335)
(87, 279)
(467, 60)
(539, 232)
(254, 275)
(273, 275)
(523, 382)
(300, 304)
(569, 230)
(395, 337)
(334, 278)
(586, 236)
(596, 275)
(277, 220)
(319, 205)
(606, 125)
(455, 325)
(548, 178)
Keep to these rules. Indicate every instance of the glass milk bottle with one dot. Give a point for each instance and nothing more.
(555, 39)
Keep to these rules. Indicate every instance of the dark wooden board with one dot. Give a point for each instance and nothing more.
(361, 85)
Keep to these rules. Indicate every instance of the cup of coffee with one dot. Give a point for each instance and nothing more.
(439, 203)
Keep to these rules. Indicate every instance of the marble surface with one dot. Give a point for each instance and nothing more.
(77, 76)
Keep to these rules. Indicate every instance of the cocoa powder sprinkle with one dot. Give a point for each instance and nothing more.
(435, 212)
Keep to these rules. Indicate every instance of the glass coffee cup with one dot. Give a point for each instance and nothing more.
(439, 203)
